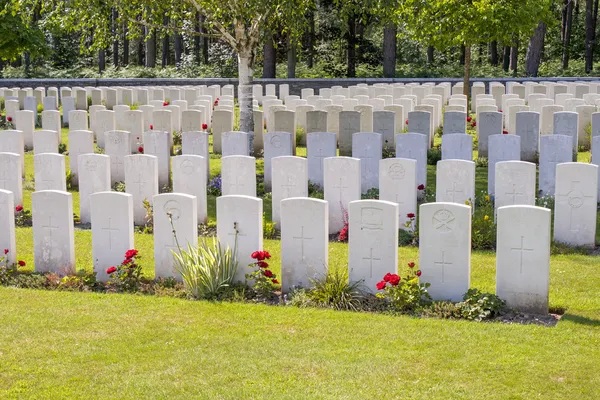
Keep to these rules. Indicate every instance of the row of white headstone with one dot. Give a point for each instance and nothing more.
(523, 245)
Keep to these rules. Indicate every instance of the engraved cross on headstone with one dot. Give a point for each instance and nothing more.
(320, 157)
(521, 250)
(50, 228)
(237, 184)
(302, 239)
(110, 231)
(371, 258)
(340, 187)
(443, 263)
(287, 187)
(514, 194)
(576, 199)
(453, 191)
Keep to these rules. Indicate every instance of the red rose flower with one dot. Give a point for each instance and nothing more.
(9, 119)
(140, 149)
(275, 281)
(499, 110)
(254, 255)
(151, 127)
(204, 126)
(126, 261)
(474, 124)
(166, 103)
(262, 264)
(131, 253)
(505, 132)
(267, 273)
(419, 273)
(406, 122)
(5, 251)
(381, 285)
(469, 119)
(19, 208)
(411, 264)
(410, 215)
(421, 187)
(111, 270)
(21, 263)
(387, 277)
(266, 254)
(395, 279)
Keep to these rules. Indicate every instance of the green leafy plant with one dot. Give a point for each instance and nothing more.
(300, 135)
(126, 276)
(315, 191)
(8, 270)
(483, 227)
(404, 295)
(206, 269)
(371, 194)
(119, 187)
(434, 155)
(478, 306)
(269, 229)
(262, 278)
(335, 291)
(62, 148)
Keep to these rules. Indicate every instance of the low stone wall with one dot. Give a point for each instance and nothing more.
(296, 85)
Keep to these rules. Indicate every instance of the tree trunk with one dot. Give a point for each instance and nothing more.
(389, 51)
(245, 72)
(140, 52)
(311, 40)
(269, 56)
(467, 75)
(291, 58)
(462, 54)
(178, 49)
(506, 58)
(351, 70)
(115, 17)
(165, 44)
(567, 32)
(204, 40)
(494, 53)
(514, 56)
(430, 59)
(125, 45)
(151, 49)
(589, 36)
(197, 39)
(535, 50)
(101, 60)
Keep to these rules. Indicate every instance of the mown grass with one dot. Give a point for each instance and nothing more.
(89, 345)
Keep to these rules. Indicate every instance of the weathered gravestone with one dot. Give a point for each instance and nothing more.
(94, 176)
(156, 143)
(319, 145)
(515, 184)
(554, 149)
(366, 146)
(290, 179)
(341, 186)
(276, 144)
(50, 172)
(457, 146)
(349, 125)
(501, 148)
(117, 146)
(528, 129)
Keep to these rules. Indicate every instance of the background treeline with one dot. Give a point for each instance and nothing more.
(333, 42)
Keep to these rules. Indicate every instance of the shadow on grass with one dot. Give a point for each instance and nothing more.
(580, 320)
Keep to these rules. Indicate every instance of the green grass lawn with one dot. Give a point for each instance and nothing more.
(98, 346)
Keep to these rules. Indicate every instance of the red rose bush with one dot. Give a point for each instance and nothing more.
(404, 294)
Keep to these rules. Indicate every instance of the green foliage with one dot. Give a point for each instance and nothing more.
(206, 269)
(16, 36)
(269, 229)
(119, 187)
(7, 271)
(478, 306)
(434, 155)
(481, 162)
(372, 193)
(62, 148)
(335, 291)
(483, 227)
(315, 191)
(300, 136)
(22, 217)
(262, 278)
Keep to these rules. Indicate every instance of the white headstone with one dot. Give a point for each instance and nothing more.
(7, 226)
(45, 141)
(50, 172)
(367, 147)
(189, 176)
(341, 186)
(196, 143)
(515, 184)
(528, 129)
(320, 145)
(78, 120)
(11, 175)
(240, 227)
(566, 123)
(414, 146)
(398, 184)
(373, 241)
(445, 249)
(235, 143)
(276, 144)
(576, 203)
(180, 210)
(523, 257)
(488, 123)
(53, 232)
(501, 148)
(290, 179)
(112, 230)
(156, 143)
(94, 177)
(141, 182)
(349, 124)
(554, 149)
(117, 146)
(238, 175)
(455, 181)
